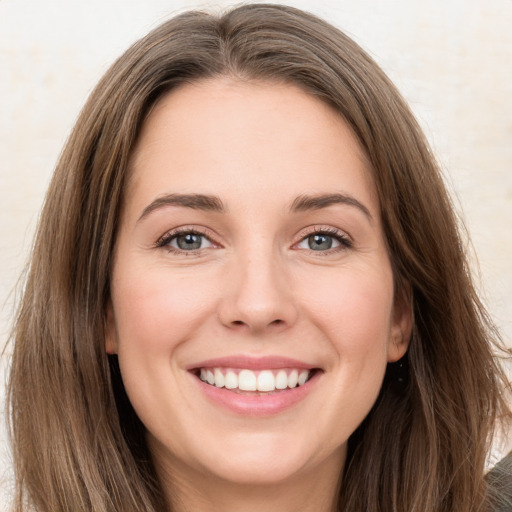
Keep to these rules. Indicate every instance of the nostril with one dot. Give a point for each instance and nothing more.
(276, 323)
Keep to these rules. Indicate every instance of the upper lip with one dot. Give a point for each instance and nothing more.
(252, 363)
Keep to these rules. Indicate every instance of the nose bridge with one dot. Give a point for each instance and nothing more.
(259, 290)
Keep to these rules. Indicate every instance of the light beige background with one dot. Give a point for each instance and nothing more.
(452, 60)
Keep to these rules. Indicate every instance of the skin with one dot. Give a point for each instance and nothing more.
(256, 288)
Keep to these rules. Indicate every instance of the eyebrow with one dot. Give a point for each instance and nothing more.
(212, 203)
(317, 202)
(195, 201)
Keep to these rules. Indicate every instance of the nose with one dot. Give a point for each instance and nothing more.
(258, 295)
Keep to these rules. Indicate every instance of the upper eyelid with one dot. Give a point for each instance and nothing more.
(328, 230)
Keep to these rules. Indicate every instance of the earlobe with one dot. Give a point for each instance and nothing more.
(110, 330)
(398, 346)
(401, 329)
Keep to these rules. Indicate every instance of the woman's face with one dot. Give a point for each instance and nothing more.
(252, 301)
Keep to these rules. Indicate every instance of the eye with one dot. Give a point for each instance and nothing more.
(189, 241)
(323, 241)
(185, 241)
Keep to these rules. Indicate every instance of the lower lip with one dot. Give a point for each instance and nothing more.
(265, 404)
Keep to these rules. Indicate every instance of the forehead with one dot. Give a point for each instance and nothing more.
(226, 135)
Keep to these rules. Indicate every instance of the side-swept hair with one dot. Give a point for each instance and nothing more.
(78, 444)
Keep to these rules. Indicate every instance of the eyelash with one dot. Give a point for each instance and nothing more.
(165, 240)
(344, 241)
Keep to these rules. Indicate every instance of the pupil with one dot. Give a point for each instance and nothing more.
(320, 242)
(190, 241)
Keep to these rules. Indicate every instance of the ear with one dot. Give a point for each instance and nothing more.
(401, 328)
(110, 329)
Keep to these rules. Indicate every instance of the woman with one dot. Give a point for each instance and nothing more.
(248, 291)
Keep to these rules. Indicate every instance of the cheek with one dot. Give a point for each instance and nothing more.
(156, 313)
(156, 310)
(354, 309)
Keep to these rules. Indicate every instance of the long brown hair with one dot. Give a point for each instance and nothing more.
(78, 444)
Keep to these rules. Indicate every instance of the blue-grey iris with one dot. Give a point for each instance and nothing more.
(189, 241)
(319, 242)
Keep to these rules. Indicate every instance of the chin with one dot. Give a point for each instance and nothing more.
(267, 460)
(257, 471)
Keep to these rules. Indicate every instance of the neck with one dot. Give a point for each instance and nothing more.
(192, 491)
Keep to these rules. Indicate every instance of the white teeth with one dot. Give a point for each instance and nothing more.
(231, 380)
(281, 380)
(293, 379)
(303, 377)
(219, 378)
(247, 380)
(266, 381)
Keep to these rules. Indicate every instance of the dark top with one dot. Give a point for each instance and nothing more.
(500, 481)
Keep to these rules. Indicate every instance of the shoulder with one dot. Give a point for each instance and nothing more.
(500, 484)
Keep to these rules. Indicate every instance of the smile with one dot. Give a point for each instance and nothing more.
(249, 380)
(255, 386)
